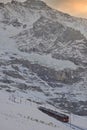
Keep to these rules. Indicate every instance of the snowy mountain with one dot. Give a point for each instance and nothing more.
(43, 54)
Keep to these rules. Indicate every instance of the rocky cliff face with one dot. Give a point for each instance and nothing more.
(44, 52)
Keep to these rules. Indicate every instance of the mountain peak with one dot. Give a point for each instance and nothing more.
(35, 3)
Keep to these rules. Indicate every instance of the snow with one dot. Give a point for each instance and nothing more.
(48, 61)
(24, 115)
(9, 45)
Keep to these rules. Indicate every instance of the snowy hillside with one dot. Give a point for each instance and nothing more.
(22, 114)
(43, 58)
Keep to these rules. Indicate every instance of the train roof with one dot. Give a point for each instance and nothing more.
(53, 112)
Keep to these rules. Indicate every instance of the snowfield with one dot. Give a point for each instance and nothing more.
(21, 114)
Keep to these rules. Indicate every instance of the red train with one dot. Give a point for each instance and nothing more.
(55, 114)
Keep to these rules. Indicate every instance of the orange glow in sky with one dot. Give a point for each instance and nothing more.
(73, 7)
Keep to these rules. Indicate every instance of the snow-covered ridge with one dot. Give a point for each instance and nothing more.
(23, 11)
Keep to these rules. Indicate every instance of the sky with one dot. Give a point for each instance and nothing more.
(74, 7)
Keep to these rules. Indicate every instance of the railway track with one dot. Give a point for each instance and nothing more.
(74, 126)
(60, 117)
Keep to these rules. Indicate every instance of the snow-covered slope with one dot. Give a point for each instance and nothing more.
(43, 53)
(18, 113)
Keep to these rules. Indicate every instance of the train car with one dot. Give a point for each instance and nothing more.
(55, 114)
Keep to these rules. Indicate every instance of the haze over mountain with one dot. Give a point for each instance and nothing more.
(43, 55)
